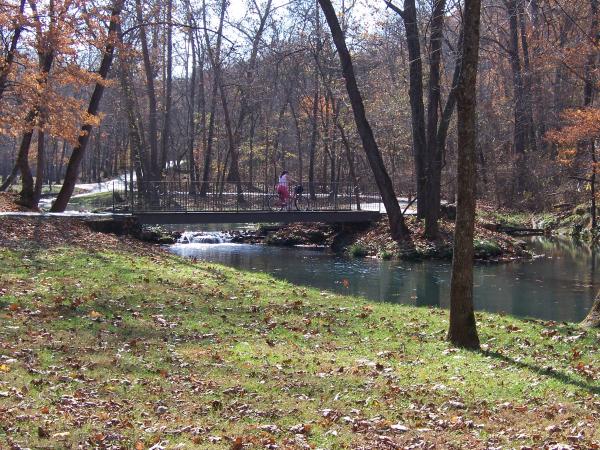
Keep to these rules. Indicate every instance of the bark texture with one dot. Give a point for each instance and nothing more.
(463, 329)
(593, 318)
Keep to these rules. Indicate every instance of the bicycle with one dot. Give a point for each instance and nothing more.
(297, 200)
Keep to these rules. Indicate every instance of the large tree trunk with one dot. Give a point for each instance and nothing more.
(209, 140)
(463, 330)
(79, 151)
(398, 227)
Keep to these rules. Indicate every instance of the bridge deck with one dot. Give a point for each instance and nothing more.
(256, 217)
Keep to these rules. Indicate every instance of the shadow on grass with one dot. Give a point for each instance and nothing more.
(546, 372)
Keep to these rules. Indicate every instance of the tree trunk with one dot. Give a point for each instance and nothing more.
(429, 138)
(10, 56)
(313, 141)
(233, 175)
(434, 152)
(137, 139)
(27, 195)
(245, 95)
(527, 77)
(463, 330)
(415, 92)
(520, 121)
(215, 60)
(192, 119)
(591, 62)
(166, 132)
(10, 178)
(589, 90)
(151, 93)
(79, 151)
(398, 227)
(592, 320)
(41, 162)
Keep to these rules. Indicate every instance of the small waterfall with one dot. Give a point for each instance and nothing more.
(203, 237)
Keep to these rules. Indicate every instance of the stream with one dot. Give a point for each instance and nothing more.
(559, 284)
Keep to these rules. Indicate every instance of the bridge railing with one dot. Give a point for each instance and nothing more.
(185, 196)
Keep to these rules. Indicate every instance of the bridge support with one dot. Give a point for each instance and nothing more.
(158, 218)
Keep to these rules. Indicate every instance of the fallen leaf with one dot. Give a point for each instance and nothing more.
(62, 435)
(399, 428)
(237, 444)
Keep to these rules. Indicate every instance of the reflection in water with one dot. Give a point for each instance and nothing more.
(559, 286)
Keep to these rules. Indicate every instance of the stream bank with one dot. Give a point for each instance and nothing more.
(374, 240)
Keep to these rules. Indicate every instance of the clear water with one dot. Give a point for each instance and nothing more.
(560, 285)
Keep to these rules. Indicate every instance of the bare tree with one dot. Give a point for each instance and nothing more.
(398, 227)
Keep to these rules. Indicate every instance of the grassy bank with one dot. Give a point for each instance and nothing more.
(106, 342)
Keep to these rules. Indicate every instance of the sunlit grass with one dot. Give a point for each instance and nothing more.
(137, 348)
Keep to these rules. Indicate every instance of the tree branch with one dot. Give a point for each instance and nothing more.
(394, 8)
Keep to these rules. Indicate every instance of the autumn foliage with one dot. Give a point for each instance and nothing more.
(64, 27)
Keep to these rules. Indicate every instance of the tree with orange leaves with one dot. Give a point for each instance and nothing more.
(576, 141)
(44, 89)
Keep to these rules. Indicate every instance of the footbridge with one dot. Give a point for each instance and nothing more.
(183, 202)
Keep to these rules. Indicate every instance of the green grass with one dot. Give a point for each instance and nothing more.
(507, 218)
(486, 248)
(93, 201)
(118, 348)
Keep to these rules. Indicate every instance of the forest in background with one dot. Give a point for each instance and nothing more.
(199, 91)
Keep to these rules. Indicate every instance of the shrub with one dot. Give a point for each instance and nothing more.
(487, 247)
(357, 251)
(385, 255)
